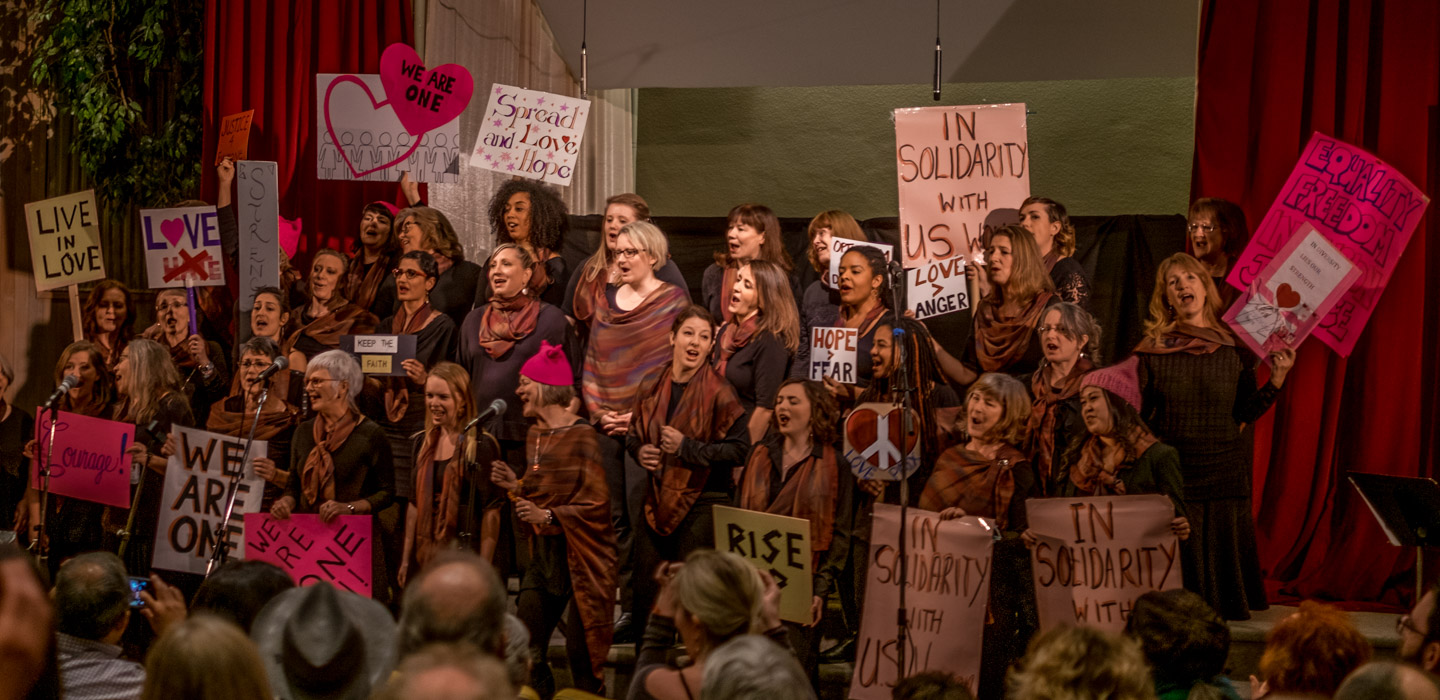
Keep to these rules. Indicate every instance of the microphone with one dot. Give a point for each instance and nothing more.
(896, 269)
(279, 364)
(496, 407)
(69, 382)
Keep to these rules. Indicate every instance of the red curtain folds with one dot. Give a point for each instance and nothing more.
(264, 55)
(1367, 72)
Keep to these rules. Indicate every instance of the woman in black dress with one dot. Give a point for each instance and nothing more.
(755, 346)
(532, 216)
(424, 229)
(1048, 222)
(752, 233)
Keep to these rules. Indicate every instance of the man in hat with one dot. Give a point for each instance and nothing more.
(368, 282)
(320, 643)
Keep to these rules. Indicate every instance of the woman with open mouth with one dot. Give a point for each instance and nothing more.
(600, 271)
(329, 314)
(1069, 338)
(108, 319)
(752, 233)
(532, 216)
(270, 319)
(236, 415)
(1217, 235)
(1200, 392)
(201, 361)
(1047, 220)
(864, 304)
(755, 346)
(822, 297)
(436, 510)
(688, 434)
(427, 230)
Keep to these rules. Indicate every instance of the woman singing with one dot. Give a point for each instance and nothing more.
(328, 316)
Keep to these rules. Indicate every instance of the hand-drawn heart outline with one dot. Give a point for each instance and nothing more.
(1286, 297)
(894, 420)
(176, 225)
(335, 139)
(416, 119)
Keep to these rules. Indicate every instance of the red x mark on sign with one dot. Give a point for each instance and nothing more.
(188, 263)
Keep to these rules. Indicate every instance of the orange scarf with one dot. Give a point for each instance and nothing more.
(317, 475)
(1194, 340)
(1001, 341)
(733, 337)
(433, 529)
(1094, 472)
(507, 321)
(1042, 415)
(397, 394)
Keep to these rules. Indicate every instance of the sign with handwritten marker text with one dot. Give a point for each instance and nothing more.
(257, 212)
(360, 135)
(182, 245)
(531, 134)
(197, 488)
(876, 446)
(380, 355)
(65, 240)
(937, 287)
(340, 554)
(834, 353)
(1297, 288)
(88, 460)
(234, 142)
(776, 544)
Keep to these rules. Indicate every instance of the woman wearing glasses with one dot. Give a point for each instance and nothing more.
(1218, 235)
(426, 229)
(235, 416)
(201, 362)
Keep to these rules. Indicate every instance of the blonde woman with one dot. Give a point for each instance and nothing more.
(329, 314)
(599, 275)
(432, 519)
(205, 658)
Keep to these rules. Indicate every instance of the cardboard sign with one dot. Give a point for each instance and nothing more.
(234, 137)
(1363, 205)
(873, 442)
(88, 459)
(257, 211)
(961, 171)
(197, 487)
(312, 552)
(838, 246)
(360, 135)
(380, 355)
(776, 544)
(937, 288)
(1097, 555)
(182, 247)
(946, 591)
(65, 240)
(1287, 300)
(531, 134)
(834, 353)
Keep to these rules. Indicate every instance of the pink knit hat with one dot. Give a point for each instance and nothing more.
(549, 366)
(1119, 379)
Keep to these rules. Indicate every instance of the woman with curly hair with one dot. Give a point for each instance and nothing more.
(108, 319)
(1081, 663)
(533, 216)
(1048, 222)
(427, 229)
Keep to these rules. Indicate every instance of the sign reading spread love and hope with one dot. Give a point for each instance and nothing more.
(834, 353)
(874, 446)
(961, 171)
(88, 459)
(234, 141)
(197, 489)
(311, 551)
(1095, 556)
(947, 589)
(1297, 288)
(182, 247)
(937, 287)
(65, 240)
(1363, 205)
(257, 212)
(406, 119)
(773, 543)
(532, 134)
(838, 246)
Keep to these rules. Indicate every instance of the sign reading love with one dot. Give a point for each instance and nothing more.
(423, 100)
(873, 442)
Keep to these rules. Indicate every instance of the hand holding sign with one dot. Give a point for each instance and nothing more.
(65, 240)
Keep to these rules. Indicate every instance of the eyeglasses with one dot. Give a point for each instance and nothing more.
(1207, 228)
(315, 383)
(407, 274)
(1062, 330)
(254, 364)
(1404, 622)
(173, 306)
(627, 253)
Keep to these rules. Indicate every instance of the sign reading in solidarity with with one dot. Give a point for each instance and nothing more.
(961, 170)
(874, 446)
(87, 460)
(838, 247)
(380, 354)
(1297, 288)
(946, 592)
(65, 240)
(938, 287)
(182, 246)
(531, 134)
(1365, 207)
(197, 488)
(257, 213)
(834, 353)
(1095, 556)
(312, 552)
(234, 142)
(776, 544)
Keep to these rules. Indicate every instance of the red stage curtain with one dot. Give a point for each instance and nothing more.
(264, 55)
(1367, 72)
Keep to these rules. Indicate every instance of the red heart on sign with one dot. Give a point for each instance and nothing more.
(566, 139)
(1286, 298)
(862, 433)
(335, 138)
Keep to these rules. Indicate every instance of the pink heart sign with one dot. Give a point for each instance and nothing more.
(423, 99)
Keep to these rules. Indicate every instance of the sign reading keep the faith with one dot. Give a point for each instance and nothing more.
(530, 133)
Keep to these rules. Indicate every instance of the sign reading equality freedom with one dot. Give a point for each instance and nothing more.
(65, 240)
(946, 593)
(1095, 556)
(197, 488)
(1363, 205)
(961, 170)
(773, 543)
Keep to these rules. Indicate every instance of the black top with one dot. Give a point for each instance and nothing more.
(171, 410)
(386, 297)
(1155, 471)
(277, 447)
(715, 299)
(1068, 276)
(556, 269)
(363, 467)
(757, 370)
(497, 378)
(1070, 435)
(720, 457)
(819, 302)
(205, 392)
(668, 272)
(16, 429)
(455, 289)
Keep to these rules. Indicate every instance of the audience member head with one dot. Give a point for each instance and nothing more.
(518, 659)
(1420, 632)
(752, 666)
(763, 286)
(1387, 680)
(320, 642)
(1218, 231)
(85, 361)
(1184, 293)
(109, 309)
(204, 658)
(27, 619)
(1048, 222)
(1017, 272)
(238, 590)
(997, 409)
(824, 228)
(529, 213)
(271, 314)
(864, 275)
(1081, 663)
(931, 685)
(1312, 650)
(1185, 640)
(752, 232)
(449, 672)
(717, 597)
(92, 597)
(457, 598)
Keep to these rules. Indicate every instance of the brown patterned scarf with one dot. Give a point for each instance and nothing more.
(848, 318)
(506, 321)
(810, 493)
(344, 319)
(317, 475)
(588, 295)
(362, 289)
(733, 337)
(1042, 415)
(706, 411)
(1194, 340)
(397, 389)
(179, 352)
(1094, 473)
(437, 518)
(1001, 340)
(979, 486)
(540, 278)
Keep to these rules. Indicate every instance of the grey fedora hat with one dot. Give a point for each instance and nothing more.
(320, 643)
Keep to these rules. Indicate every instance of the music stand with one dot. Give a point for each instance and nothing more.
(1408, 510)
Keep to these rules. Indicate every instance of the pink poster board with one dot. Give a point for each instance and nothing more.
(88, 461)
(311, 551)
(1363, 205)
(1298, 287)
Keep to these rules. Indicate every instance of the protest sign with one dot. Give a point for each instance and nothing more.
(1095, 556)
(65, 240)
(873, 442)
(776, 544)
(380, 355)
(88, 459)
(937, 287)
(1363, 205)
(946, 591)
(961, 170)
(257, 212)
(182, 245)
(834, 353)
(312, 552)
(197, 488)
(234, 142)
(530, 133)
(838, 246)
(1294, 291)
(361, 135)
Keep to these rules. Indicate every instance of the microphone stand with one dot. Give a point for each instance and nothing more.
(475, 472)
(42, 555)
(222, 529)
(139, 488)
(903, 384)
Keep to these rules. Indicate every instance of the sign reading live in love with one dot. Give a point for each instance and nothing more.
(1297, 288)
(946, 593)
(313, 552)
(406, 119)
(1363, 205)
(1095, 556)
(88, 460)
(531, 134)
(182, 246)
(65, 240)
(197, 489)
(961, 171)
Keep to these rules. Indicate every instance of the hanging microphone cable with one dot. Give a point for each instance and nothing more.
(584, 54)
(937, 50)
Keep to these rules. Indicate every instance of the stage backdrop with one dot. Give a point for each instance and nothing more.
(1366, 72)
